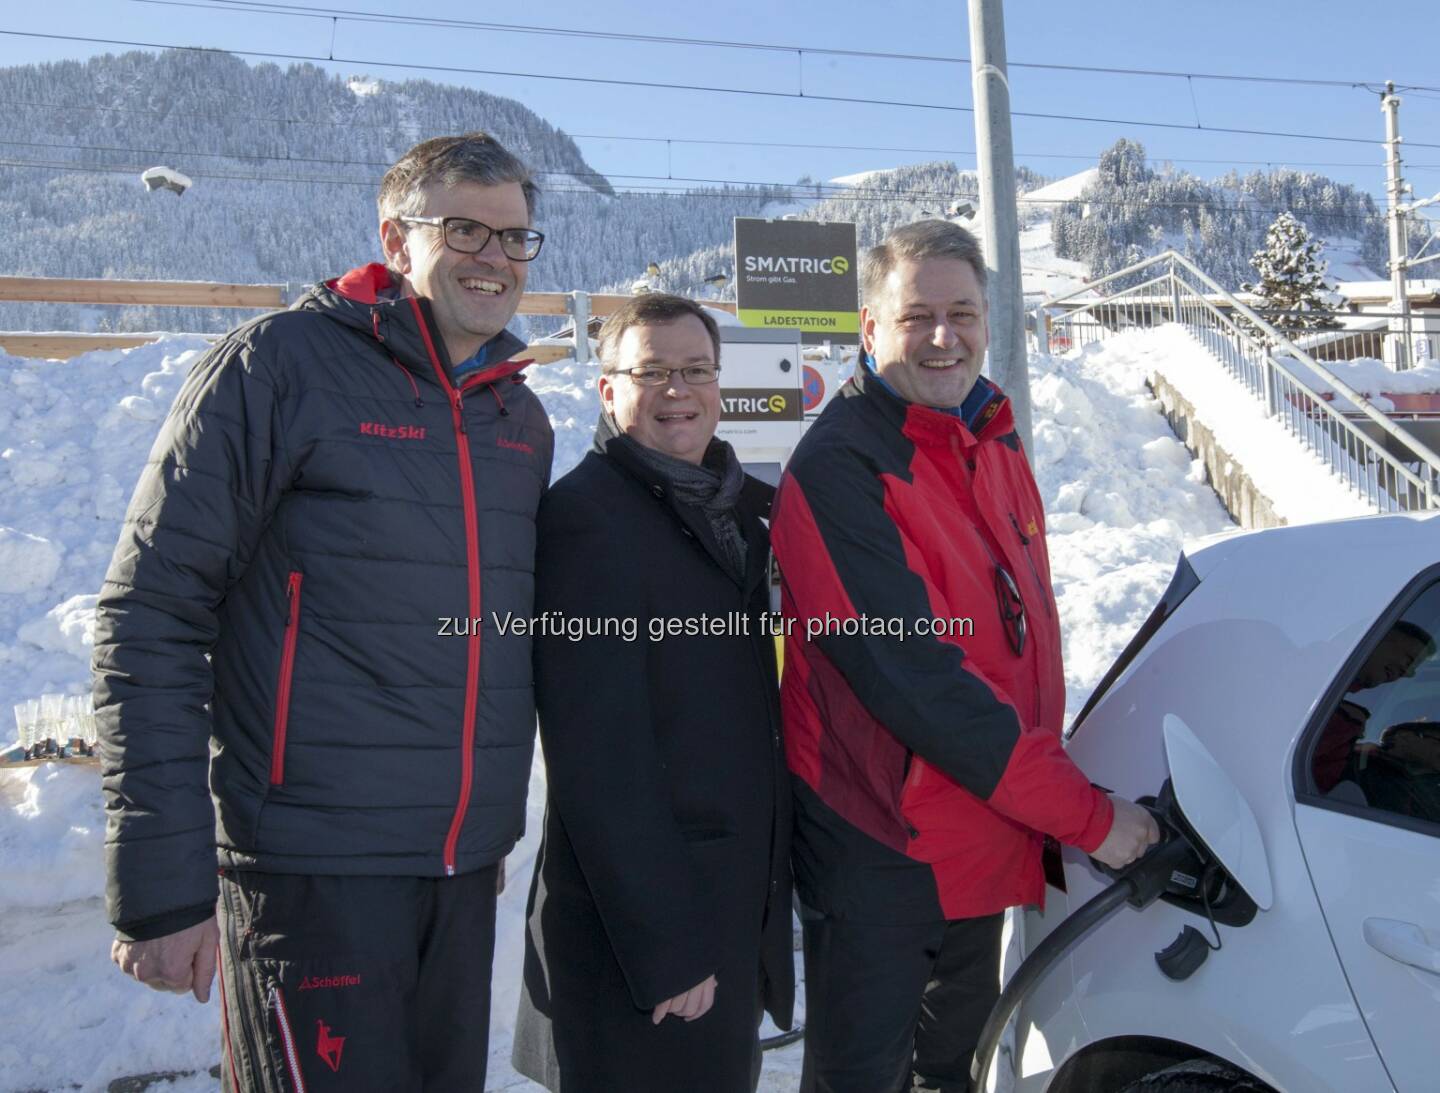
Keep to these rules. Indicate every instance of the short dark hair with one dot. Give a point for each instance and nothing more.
(922, 239)
(650, 309)
(470, 157)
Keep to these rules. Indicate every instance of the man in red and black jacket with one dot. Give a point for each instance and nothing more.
(923, 694)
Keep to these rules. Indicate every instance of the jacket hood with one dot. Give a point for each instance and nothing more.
(371, 299)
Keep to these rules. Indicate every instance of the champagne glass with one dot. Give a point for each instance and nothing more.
(89, 732)
(29, 734)
(22, 727)
(51, 714)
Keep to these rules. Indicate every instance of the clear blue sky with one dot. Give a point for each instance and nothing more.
(1316, 39)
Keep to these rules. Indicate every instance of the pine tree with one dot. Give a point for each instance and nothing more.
(1292, 277)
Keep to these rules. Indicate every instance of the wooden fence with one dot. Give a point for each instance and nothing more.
(210, 294)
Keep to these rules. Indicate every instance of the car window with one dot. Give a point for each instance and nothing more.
(1380, 744)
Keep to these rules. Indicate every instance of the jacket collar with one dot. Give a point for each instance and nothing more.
(370, 299)
(992, 417)
(753, 505)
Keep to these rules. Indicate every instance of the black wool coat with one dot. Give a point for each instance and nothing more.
(667, 827)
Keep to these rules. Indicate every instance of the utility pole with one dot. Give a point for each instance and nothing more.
(996, 162)
(1399, 239)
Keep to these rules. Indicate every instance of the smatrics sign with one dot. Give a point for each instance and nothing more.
(797, 275)
(759, 404)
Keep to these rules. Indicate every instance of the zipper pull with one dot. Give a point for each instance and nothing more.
(460, 411)
(1024, 539)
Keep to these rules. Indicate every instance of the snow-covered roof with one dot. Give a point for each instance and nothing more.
(168, 178)
(1371, 291)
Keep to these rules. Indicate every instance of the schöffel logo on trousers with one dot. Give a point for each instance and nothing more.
(392, 432)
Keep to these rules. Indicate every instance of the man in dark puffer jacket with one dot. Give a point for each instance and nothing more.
(295, 608)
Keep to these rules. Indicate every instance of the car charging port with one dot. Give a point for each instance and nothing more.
(1179, 869)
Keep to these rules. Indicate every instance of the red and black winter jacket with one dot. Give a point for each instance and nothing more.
(906, 747)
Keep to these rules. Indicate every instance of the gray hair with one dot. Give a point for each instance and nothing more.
(650, 309)
(471, 157)
(913, 242)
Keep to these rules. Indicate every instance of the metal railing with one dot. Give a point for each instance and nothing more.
(1386, 465)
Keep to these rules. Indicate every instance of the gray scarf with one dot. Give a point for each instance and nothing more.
(712, 486)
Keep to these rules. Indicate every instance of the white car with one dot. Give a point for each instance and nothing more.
(1303, 660)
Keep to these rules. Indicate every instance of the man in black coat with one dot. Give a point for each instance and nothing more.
(659, 922)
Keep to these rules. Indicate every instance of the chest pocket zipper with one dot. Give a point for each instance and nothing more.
(282, 688)
(1025, 545)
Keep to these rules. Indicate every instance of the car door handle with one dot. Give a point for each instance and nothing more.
(1402, 941)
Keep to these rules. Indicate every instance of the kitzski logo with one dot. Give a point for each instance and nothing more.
(328, 1047)
(392, 432)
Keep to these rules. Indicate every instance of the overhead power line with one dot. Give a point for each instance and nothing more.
(663, 86)
(191, 153)
(416, 127)
(362, 16)
(668, 187)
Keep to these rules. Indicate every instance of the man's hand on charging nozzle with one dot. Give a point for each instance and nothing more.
(1132, 832)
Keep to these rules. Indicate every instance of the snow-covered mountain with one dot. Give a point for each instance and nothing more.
(285, 163)
(1125, 210)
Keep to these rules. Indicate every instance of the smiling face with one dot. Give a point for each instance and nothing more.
(927, 331)
(473, 296)
(676, 418)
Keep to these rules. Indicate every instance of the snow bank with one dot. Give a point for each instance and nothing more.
(73, 437)
(28, 563)
(1122, 496)
(1298, 483)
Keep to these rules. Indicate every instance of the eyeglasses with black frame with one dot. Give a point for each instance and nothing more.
(653, 375)
(1012, 609)
(471, 236)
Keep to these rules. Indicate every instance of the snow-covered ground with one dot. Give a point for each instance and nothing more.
(1122, 496)
(1301, 486)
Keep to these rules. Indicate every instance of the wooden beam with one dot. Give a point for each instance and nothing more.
(558, 303)
(545, 354)
(65, 290)
(71, 290)
(64, 346)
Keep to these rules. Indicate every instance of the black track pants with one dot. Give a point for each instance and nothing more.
(889, 1005)
(355, 983)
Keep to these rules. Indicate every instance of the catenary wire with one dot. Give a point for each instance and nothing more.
(663, 86)
(1160, 157)
(792, 190)
(358, 15)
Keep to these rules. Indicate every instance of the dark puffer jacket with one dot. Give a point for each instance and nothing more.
(320, 502)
